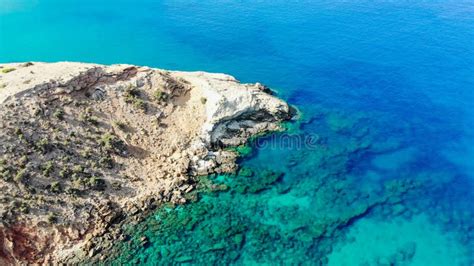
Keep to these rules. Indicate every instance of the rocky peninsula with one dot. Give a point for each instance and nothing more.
(84, 147)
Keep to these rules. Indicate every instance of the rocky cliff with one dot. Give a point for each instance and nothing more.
(86, 146)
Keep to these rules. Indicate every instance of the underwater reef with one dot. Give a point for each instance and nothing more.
(308, 209)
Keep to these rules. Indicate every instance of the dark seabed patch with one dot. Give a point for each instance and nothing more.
(319, 207)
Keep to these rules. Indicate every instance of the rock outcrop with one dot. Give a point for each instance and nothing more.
(84, 146)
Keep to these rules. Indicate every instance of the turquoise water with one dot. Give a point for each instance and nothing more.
(386, 89)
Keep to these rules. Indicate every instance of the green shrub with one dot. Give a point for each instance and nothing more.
(21, 175)
(43, 145)
(131, 92)
(48, 168)
(6, 173)
(93, 120)
(106, 162)
(23, 161)
(52, 218)
(55, 187)
(139, 104)
(96, 183)
(203, 100)
(64, 173)
(112, 143)
(86, 153)
(59, 114)
(121, 125)
(132, 95)
(87, 117)
(24, 207)
(18, 131)
(77, 169)
(158, 95)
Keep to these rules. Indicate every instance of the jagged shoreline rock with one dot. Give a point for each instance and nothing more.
(87, 146)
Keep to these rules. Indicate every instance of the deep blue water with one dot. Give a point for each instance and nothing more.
(388, 88)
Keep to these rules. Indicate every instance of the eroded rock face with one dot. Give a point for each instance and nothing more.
(86, 146)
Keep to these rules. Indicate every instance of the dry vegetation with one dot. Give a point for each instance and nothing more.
(85, 147)
(65, 155)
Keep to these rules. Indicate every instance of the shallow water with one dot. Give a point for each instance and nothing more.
(385, 92)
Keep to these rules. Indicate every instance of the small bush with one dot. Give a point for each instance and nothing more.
(87, 117)
(112, 143)
(72, 191)
(23, 161)
(106, 162)
(131, 92)
(158, 95)
(55, 187)
(43, 145)
(6, 173)
(139, 104)
(86, 153)
(24, 208)
(121, 125)
(132, 95)
(90, 119)
(77, 169)
(97, 183)
(48, 168)
(18, 131)
(203, 100)
(59, 114)
(52, 218)
(21, 175)
(64, 173)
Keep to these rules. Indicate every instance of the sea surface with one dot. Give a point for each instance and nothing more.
(379, 168)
